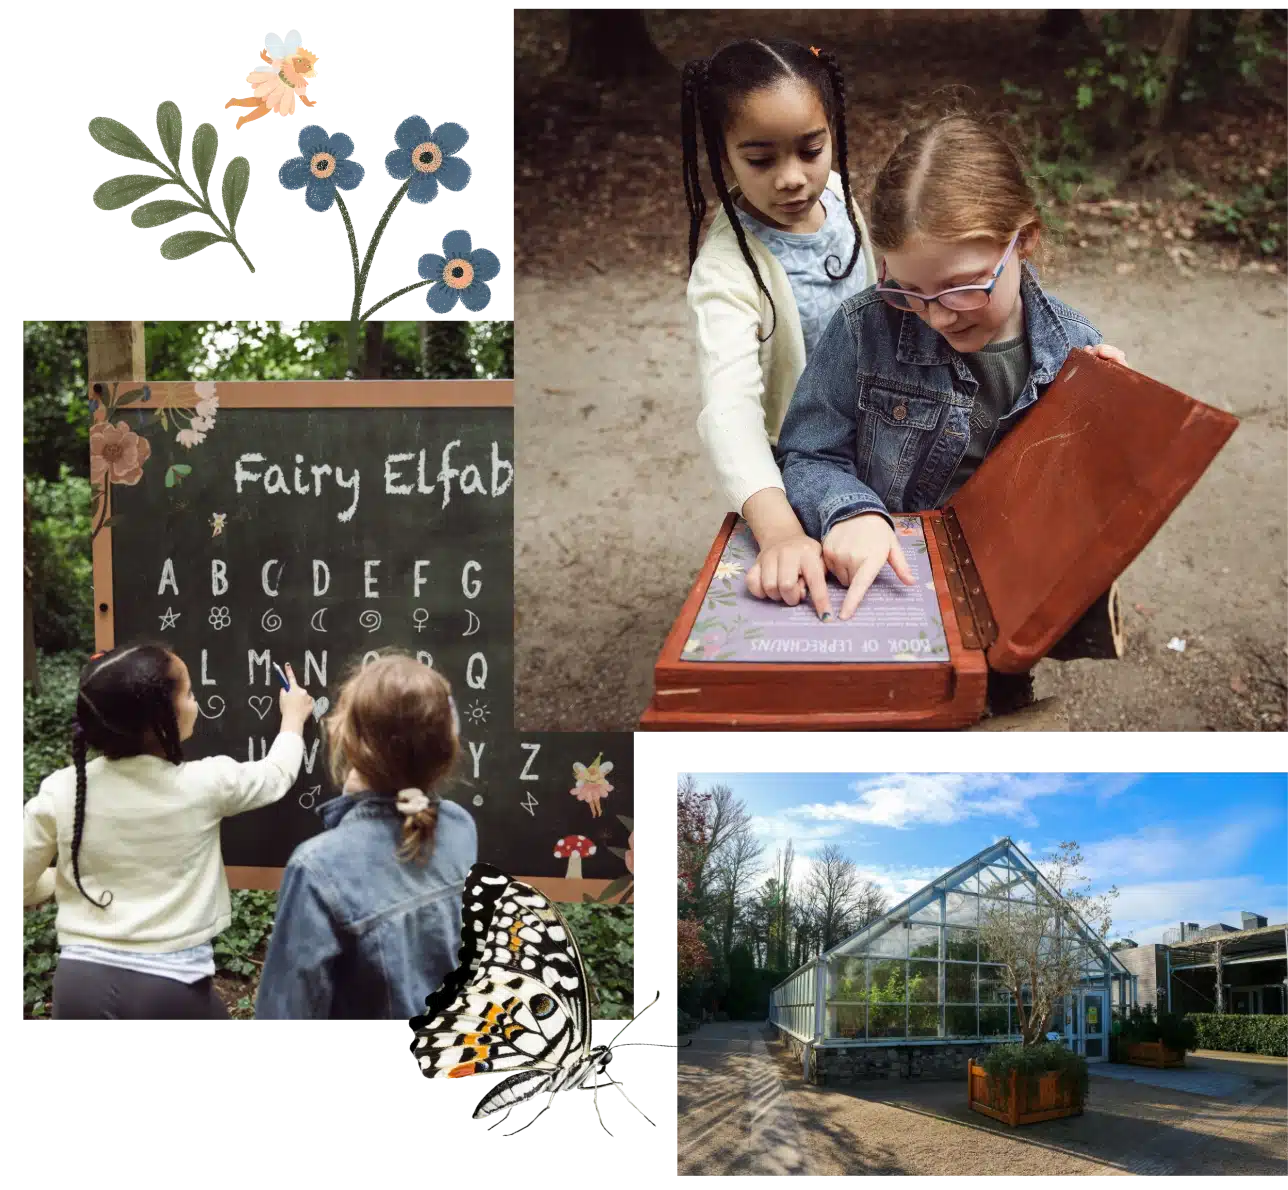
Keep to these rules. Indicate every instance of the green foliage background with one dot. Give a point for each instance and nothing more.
(1241, 1034)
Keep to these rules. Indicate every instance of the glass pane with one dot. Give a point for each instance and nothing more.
(993, 1022)
(959, 1021)
(923, 942)
(923, 1020)
(1056, 1023)
(1021, 889)
(849, 979)
(887, 980)
(991, 909)
(962, 944)
(848, 1021)
(886, 1020)
(928, 912)
(960, 980)
(962, 909)
(923, 983)
(984, 953)
(1095, 1047)
(893, 942)
(991, 988)
(994, 880)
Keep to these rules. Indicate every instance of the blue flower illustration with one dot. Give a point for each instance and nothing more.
(323, 165)
(458, 273)
(427, 156)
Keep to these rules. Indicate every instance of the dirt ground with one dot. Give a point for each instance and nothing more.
(743, 1108)
(618, 508)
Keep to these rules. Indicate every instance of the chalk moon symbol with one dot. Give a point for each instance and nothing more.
(316, 622)
(473, 623)
(271, 621)
(210, 702)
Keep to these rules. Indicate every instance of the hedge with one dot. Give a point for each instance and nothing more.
(1242, 1034)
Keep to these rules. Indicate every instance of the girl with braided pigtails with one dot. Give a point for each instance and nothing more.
(787, 247)
(139, 877)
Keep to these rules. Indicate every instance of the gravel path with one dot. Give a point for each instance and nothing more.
(925, 1128)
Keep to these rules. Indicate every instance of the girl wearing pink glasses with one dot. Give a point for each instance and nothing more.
(916, 379)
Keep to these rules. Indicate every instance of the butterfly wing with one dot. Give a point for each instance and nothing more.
(519, 994)
(292, 43)
(274, 46)
(580, 771)
(606, 767)
(515, 1089)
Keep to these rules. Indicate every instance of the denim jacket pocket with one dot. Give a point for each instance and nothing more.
(896, 425)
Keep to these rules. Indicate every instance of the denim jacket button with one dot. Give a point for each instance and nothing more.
(900, 412)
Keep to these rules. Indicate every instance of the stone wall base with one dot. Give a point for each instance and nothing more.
(861, 1064)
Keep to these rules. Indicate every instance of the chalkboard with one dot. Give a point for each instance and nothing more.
(315, 523)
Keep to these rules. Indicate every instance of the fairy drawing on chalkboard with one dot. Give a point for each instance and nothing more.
(289, 67)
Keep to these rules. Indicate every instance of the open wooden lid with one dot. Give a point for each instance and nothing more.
(1064, 503)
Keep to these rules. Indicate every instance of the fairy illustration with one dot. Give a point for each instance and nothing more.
(286, 75)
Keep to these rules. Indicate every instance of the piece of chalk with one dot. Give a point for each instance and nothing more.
(281, 677)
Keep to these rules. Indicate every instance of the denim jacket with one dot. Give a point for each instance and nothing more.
(359, 933)
(881, 415)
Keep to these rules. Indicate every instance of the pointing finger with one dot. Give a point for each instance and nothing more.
(867, 571)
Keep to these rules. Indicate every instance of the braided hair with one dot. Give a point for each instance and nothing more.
(710, 91)
(124, 707)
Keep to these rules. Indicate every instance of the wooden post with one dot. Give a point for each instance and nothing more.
(1220, 994)
(115, 353)
(1097, 635)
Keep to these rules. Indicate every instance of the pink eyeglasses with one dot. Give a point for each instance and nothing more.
(960, 297)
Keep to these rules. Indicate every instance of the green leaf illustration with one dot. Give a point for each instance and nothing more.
(236, 179)
(116, 138)
(181, 468)
(205, 144)
(188, 242)
(166, 210)
(170, 129)
(120, 192)
(169, 477)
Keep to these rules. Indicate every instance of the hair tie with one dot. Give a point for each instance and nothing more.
(413, 801)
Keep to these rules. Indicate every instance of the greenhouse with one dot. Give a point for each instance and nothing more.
(914, 992)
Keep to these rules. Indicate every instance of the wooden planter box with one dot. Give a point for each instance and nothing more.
(1152, 1053)
(1020, 1105)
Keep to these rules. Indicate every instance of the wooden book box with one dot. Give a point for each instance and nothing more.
(1041, 530)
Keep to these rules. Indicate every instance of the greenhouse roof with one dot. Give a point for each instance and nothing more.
(1008, 868)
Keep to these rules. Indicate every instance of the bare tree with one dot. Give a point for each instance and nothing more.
(834, 889)
(1045, 943)
(733, 868)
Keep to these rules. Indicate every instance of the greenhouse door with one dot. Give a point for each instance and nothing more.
(1090, 1025)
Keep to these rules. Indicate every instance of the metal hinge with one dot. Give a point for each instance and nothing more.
(974, 616)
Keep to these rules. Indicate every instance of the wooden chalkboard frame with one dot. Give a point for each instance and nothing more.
(322, 394)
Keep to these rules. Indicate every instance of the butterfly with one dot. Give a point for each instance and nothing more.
(519, 1000)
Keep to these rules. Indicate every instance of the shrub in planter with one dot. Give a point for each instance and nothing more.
(1031, 1062)
(1176, 1032)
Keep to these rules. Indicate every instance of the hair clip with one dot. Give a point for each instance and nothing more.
(96, 656)
(815, 50)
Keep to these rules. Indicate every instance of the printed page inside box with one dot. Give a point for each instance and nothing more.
(894, 623)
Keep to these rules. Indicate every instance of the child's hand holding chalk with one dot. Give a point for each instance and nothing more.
(295, 702)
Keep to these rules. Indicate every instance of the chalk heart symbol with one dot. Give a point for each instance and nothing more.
(320, 708)
(261, 704)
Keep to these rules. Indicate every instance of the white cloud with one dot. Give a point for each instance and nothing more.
(1145, 911)
(903, 800)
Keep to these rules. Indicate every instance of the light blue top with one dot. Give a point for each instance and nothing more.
(189, 965)
(803, 256)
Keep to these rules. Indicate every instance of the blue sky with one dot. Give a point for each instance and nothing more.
(1192, 846)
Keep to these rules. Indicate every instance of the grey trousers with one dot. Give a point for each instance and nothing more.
(96, 992)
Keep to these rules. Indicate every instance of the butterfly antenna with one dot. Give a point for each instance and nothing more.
(628, 1100)
(633, 1019)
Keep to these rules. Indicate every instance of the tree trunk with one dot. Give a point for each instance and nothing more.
(445, 351)
(1171, 55)
(374, 351)
(612, 45)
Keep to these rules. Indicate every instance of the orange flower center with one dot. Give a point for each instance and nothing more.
(458, 273)
(427, 157)
(112, 451)
(322, 165)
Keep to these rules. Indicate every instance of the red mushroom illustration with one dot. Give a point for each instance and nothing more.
(572, 848)
(592, 783)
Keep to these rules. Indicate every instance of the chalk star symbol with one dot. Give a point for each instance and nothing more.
(169, 619)
(528, 804)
